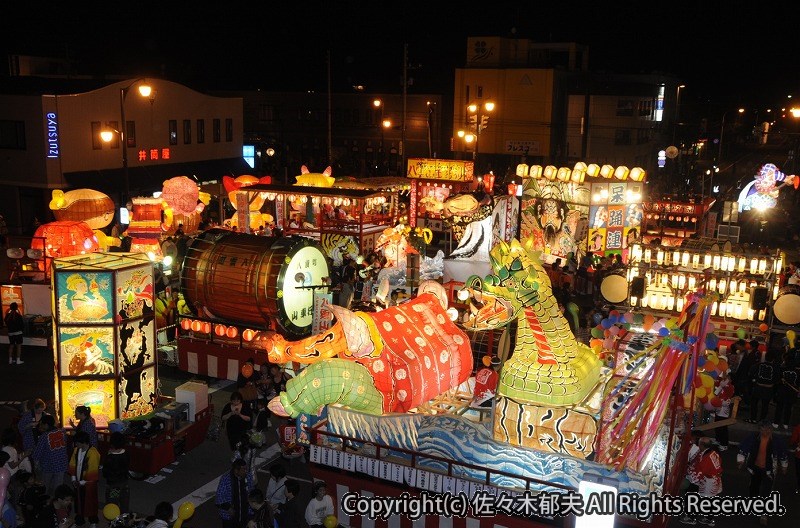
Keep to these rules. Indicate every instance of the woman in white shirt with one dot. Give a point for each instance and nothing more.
(319, 507)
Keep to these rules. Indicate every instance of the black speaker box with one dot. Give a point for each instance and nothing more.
(637, 287)
(759, 295)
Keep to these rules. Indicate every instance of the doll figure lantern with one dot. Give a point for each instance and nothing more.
(145, 226)
(232, 186)
(83, 205)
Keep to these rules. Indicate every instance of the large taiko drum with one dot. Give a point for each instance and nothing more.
(253, 279)
(614, 288)
(787, 306)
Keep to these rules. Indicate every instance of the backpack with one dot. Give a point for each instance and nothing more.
(764, 373)
(14, 322)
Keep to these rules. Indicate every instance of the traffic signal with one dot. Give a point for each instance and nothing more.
(473, 119)
(484, 121)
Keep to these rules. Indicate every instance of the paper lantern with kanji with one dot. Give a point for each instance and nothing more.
(65, 238)
(83, 205)
(183, 204)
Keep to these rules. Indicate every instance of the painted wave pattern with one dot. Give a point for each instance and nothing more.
(459, 440)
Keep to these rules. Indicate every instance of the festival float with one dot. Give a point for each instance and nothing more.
(397, 389)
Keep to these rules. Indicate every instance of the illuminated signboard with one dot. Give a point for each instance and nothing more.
(249, 155)
(153, 154)
(52, 135)
(437, 169)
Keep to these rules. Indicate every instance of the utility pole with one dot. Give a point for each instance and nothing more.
(405, 109)
(330, 114)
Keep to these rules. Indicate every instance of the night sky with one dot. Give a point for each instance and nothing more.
(731, 52)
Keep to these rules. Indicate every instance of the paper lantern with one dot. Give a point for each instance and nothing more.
(181, 194)
(248, 335)
(197, 325)
(220, 330)
(65, 239)
(83, 205)
(206, 328)
(232, 332)
(186, 324)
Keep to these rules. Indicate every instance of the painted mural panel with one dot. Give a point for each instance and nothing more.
(84, 297)
(96, 394)
(555, 214)
(136, 345)
(86, 351)
(134, 293)
(137, 393)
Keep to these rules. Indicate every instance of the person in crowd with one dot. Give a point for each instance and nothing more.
(85, 423)
(31, 498)
(742, 381)
(735, 354)
(347, 287)
(260, 422)
(279, 377)
(319, 507)
(724, 412)
(794, 443)
(290, 514)
(262, 514)
(786, 394)
(705, 472)
(759, 452)
(276, 487)
(28, 425)
(15, 325)
(55, 513)
(232, 495)
(247, 386)
(266, 388)
(16, 461)
(162, 515)
(8, 514)
(116, 465)
(237, 418)
(50, 453)
(84, 467)
(764, 378)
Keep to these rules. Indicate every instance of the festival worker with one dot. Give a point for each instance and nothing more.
(232, 495)
(84, 467)
(50, 453)
(759, 453)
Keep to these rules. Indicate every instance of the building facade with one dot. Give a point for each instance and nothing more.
(52, 140)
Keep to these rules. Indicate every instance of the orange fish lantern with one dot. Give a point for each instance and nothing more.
(83, 205)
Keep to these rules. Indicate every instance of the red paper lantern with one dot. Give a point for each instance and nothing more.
(232, 332)
(220, 330)
(186, 324)
(197, 325)
(206, 328)
(248, 335)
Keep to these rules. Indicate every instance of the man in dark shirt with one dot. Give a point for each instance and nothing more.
(52, 515)
(290, 514)
(237, 418)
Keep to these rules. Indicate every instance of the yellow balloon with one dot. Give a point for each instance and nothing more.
(791, 335)
(185, 510)
(330, 521)
(111, 511)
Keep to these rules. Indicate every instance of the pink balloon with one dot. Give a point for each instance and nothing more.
(5, 478)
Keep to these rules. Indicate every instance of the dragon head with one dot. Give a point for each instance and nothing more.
(518, 282)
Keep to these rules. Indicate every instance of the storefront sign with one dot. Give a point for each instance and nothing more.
(437, 169)
(52, 135)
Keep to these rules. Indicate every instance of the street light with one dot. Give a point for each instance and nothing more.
(377, 103)
(145, 90)
(721, 132)
(478, 120)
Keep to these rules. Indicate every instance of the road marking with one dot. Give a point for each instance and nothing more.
(209, 490)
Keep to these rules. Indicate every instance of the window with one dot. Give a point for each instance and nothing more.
(266, 112)
(228, 129)
(97, 142)
(622, 136)
(187, 131)
(215, 130)
(645, 108)
(624, 108)
(12, 134)
(130, 134)
(201, 130)
(173, 132)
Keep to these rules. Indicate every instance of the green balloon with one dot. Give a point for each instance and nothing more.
(740, 333)
(597, 332)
